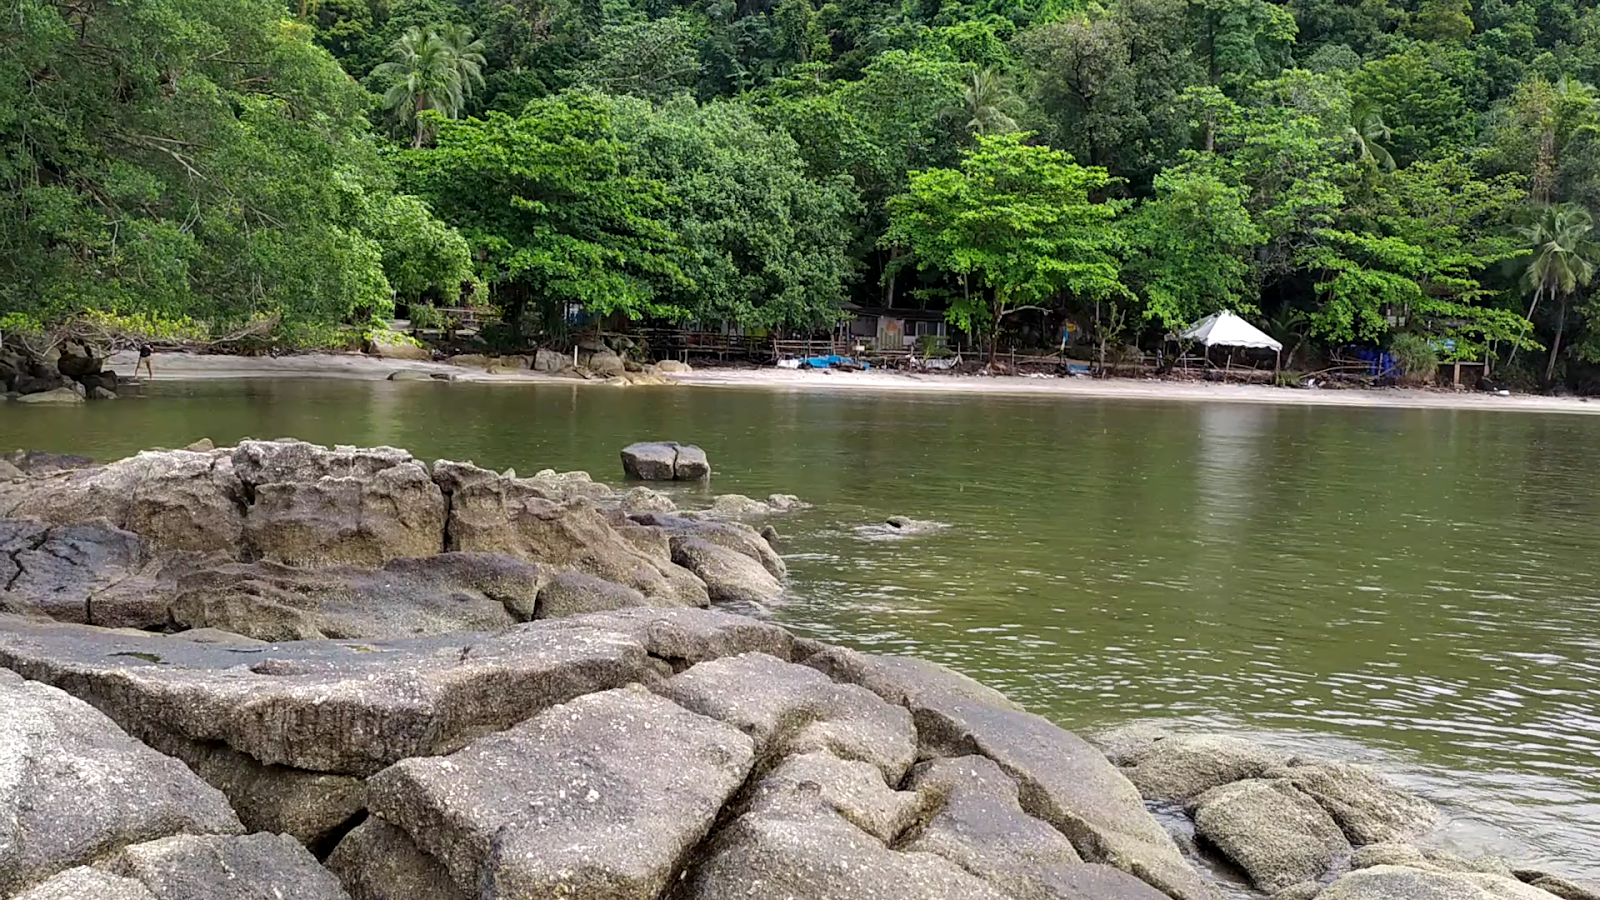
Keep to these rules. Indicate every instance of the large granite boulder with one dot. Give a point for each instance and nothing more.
(505, 515)
(174, 500)
(665, 461)
(575, 593)
(407, 597)
(74, 787)
(211, 867)
(735, 536)
(1276, 834)
(604, 796)
(395, 513)
(1367, 807)
(729, 576)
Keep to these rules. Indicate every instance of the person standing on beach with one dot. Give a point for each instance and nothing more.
(144, 362)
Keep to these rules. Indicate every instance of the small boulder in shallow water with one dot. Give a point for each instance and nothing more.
(1275, 833)
(1368, 808)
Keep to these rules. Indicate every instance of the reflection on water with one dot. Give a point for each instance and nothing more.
(1415, 586)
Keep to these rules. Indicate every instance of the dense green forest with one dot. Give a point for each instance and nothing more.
(1388, 172)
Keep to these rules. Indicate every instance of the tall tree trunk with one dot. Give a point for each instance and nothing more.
(1555, 345)
(1537, 293)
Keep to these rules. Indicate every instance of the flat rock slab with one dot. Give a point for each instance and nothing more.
(902, 680)
(340, 707)
(377, 861)
(600, 797)
(74, 787)
(210, 867)
(789, 709)
(1277, 834)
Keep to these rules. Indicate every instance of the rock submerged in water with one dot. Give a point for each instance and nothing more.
(665, 461)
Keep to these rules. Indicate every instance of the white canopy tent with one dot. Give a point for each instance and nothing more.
(1224, 329)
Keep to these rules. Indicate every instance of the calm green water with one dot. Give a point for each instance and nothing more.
(1421, 588)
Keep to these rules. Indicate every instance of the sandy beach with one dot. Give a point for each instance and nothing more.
(358, 367)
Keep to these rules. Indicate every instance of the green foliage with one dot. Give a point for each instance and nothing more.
(555, 208)
(1188, 250)
(434, 69)
(1015, 224)
(1415, 357)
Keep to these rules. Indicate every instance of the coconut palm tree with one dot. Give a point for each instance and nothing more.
(434, 69)
(1365, 130)
(989, 104)
(1562, 261)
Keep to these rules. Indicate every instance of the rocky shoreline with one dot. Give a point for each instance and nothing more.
(282, 670)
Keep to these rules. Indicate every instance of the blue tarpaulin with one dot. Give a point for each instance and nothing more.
(828, 362)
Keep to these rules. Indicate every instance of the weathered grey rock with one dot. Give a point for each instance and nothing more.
(902, 680)
(1182, 766)
(1128, 745)
(204, 445)
(410, 375)
(508, 516)
(217, 636)
(1063, 780)
(100, 393)
(38, 462)
(980, 826)
(1277, 835)
(735, 536)
(793, 845)
(54, 397)
(645, 500)
(665, 461)
(53, 571)
(729, 576)
(74, 787)
(691, 464)
(407, 597)
(738, 506)
(1305, 890)
(673, 367)
(311, 807)
(377, 861)
(1398, 854)
(84, 883)
(1565, 888)
(1367, 808)
(1405, 883)
(655, 461)
(564, 486)
(606, 363)
(348, 708)
(686, 637)
(9, 471)
(551, 361)
(267, 462)
(600, 797)
(174, 500)
(211, 867)
(853, 789)
(788, 709)
(574, 593)
(395, 513)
